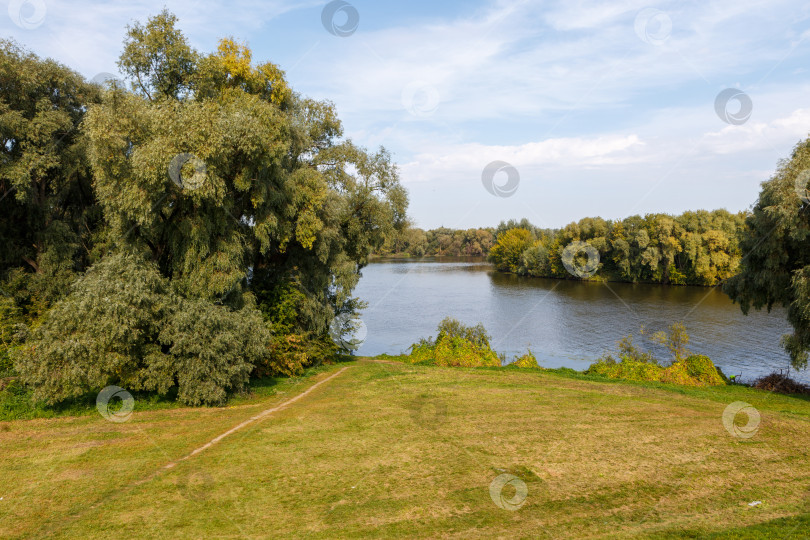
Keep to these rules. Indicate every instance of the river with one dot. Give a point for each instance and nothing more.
(565, 323)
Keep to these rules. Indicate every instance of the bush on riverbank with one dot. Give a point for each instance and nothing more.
(636, 364)
(456, 345)
(696, 370)
(627, 369)
(528, 360)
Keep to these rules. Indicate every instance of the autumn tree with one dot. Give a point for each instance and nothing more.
(507, 253)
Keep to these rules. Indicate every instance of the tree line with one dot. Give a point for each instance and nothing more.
(442, 242)
(694, 248)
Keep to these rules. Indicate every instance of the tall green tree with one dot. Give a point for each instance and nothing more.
(775, 268)
(236, 221)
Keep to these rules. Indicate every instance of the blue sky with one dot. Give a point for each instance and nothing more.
(603, 108)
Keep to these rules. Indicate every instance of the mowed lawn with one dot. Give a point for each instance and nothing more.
(394, 450)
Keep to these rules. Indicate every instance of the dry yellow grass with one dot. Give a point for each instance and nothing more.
(396, 450)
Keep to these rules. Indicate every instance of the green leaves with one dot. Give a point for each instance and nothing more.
(210, 189)
(507, 253)
(775, 268)
(693, 248)
(157, 58)
(123, 324)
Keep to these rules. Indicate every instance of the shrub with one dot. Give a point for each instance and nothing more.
(211, 351)
(627, 368)
(454, 351)
(639, 365)
(456, 345)
(290, 353)
(122, 324)
(452, 328)
(628, 350)
(695, 370)
(528, 360)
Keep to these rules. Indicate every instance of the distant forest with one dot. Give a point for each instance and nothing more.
(694, 248)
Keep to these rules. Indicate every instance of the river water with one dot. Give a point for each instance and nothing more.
(565, 323)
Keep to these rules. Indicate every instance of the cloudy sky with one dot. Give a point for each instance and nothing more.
(599, 109)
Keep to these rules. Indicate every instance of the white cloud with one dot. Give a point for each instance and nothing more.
(756, 135)
(466, 160)
(87, 34)
(592, 116)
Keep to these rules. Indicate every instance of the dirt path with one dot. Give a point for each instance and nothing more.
(255, 418)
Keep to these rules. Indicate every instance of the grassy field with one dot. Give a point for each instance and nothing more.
(386, 449)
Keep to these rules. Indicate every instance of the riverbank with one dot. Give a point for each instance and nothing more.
(396, 450)
(566, 323)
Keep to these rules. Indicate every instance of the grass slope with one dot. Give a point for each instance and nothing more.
(393, 450)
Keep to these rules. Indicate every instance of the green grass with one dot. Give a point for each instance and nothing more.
(16, 404)
(388, 449)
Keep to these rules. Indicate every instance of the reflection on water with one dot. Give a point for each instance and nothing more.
(566, 323)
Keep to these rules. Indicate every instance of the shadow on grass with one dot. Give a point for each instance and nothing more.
(16, 400)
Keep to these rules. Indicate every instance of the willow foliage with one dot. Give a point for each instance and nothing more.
(775, 268)
(232, 220)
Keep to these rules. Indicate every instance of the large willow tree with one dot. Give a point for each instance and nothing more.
(225, 193)
(775, 268)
